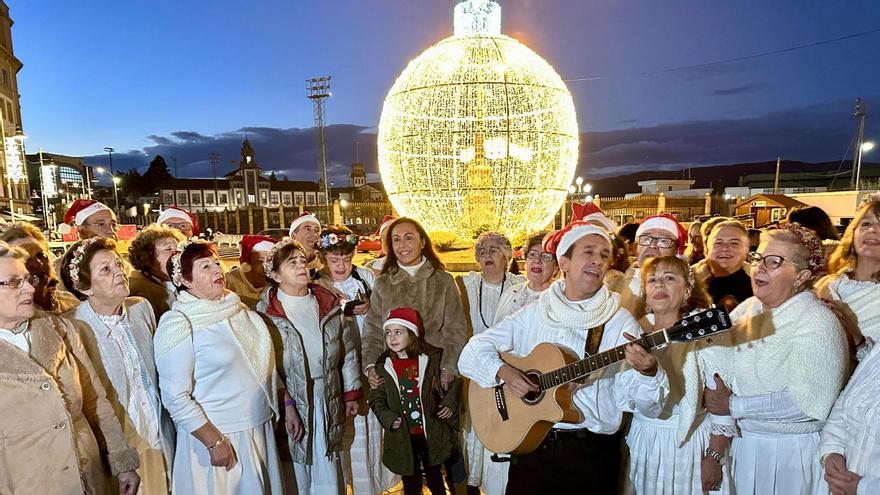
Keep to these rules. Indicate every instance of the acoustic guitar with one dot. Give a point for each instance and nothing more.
(505, 423)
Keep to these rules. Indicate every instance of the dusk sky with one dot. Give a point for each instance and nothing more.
(186, 78)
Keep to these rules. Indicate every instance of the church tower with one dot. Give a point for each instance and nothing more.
(358, 176)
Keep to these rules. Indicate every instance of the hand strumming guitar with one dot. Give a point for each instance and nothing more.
(516, 380)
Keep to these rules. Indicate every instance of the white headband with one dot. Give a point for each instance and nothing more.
(661, 223)
(301, 220)
(170, 213)
(88, 211)
(404, 323)
(572, 236)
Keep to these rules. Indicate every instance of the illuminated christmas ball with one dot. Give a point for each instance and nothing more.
(478, 132)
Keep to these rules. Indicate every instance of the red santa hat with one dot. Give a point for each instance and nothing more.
(589, 212)
(386, 221)
(667, 222)
(405, 317)
(254, 244)
(79, 211)
(573, 232)
(301, 219)
(177, 213)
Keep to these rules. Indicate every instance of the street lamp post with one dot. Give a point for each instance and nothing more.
(109, 151)
(863, 148)
(576, 190)
(116, 181)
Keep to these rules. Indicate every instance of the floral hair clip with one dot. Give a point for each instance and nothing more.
(815, 259)
(268, 269)
(176, 270)
(333, 239)
(76, 259)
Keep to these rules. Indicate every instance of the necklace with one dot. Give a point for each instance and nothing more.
(480, 300)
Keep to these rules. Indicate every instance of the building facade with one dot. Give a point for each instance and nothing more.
(244, 187)
(13, 172)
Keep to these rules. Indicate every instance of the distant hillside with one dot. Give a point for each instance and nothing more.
(704, 176)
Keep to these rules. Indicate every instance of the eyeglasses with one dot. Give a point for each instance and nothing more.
(770, 262)
(661, 242)
(17, 282)
(537, 255)
(178, 225)
(490, 251)
(103, 225)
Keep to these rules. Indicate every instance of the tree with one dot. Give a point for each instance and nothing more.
(156, 175)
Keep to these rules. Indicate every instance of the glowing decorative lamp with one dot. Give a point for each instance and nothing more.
(478, 132)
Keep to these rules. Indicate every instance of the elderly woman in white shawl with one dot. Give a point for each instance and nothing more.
(776, 375)
(217, 369)
(482, 291)
(117, 332)
(852, 287)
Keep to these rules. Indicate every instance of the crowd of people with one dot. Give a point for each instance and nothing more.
(154, 371)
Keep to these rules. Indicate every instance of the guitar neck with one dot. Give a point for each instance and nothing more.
(580, 369)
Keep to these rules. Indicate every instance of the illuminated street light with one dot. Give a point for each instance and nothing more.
(867, 146)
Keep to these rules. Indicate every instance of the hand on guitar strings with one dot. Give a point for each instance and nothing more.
(717, 401)
(516, 381)
(641, 360)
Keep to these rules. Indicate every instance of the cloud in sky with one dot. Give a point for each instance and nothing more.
(812, 134)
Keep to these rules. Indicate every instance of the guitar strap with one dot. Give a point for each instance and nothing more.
(594, 338)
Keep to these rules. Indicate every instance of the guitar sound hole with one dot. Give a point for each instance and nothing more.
(533, 397)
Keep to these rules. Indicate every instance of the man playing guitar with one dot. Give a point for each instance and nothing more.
(581, 314)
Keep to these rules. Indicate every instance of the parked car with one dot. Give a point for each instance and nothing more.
(369, 243)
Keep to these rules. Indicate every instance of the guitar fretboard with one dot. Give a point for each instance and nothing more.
(580, 369)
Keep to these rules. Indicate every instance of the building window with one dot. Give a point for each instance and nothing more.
(181, 199)
(209, 198)
(310, 198)
(69, 175)
(286, 198)
(5, 77)
(298, 198)
(223, 199)
(196, 198)
(168, 197)
(239, 201)
(320, 199)
(264, 198)
(276, 198)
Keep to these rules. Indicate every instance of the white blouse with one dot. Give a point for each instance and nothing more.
(208, 377)
(302, 311)
(853, 427)
(143, 406)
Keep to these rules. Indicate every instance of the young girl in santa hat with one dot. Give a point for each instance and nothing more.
(416, 415)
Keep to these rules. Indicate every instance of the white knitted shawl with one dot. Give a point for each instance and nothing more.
(798, 346)
(190, 314)
(558, 310)
(861, 300)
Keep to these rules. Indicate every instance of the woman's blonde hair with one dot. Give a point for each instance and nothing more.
(845, 257)
(16, 253)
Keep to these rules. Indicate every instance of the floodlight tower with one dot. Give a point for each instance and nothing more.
(317, 90)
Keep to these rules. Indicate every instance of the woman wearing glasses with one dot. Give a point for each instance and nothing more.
(47, 295)
(541, 270)
(53, 401)
(481, 293)
(776, 375)
(853, 287)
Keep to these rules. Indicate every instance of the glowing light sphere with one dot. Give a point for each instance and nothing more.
(478, 132)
